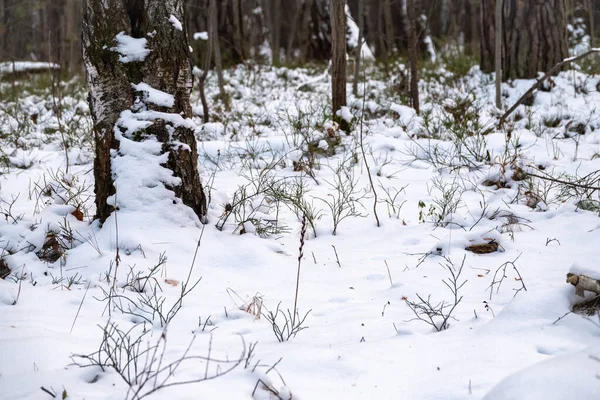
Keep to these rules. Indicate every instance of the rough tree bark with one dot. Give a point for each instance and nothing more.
(110, 76)
(338, 54)
(533, 39)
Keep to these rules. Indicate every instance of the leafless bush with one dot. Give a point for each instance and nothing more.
(148, 303)
(500, 275)
(345, 196)
(141, 362)
(284, 324)
(438, 315)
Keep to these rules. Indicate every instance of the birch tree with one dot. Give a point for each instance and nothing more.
(136, 56)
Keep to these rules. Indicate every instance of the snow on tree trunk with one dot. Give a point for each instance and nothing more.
(139, 75)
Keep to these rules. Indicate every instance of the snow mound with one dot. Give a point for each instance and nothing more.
(572, 376)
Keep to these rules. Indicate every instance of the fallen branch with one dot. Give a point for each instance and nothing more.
(582, 282)
(563, 182)
(552, 71)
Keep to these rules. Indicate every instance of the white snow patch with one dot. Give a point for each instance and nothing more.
(21, 66)
(155, 96)
(176, 23)
(352, 37)
(130, 48)
(201, 36)
(571, 376)
(345, 113)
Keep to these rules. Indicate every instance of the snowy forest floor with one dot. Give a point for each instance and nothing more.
(445, 180)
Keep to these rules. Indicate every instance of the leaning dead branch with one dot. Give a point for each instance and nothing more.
(536, 86)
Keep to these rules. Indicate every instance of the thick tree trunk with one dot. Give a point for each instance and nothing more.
(534, 36)
(338, 56)
(113, 68)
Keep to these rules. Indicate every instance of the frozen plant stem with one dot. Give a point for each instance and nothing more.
(362, 149)
(117, 256)
(300, 254)
(337, 259)
(389, 273)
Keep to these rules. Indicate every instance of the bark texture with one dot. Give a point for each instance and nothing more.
(166, 68)
(338, 56)
(533, 40)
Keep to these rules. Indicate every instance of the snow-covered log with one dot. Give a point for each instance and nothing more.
(583, 283)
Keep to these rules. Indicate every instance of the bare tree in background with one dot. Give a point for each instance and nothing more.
(533, 36)
(590, 12)
(338, 54)
(110, 78)
(275, 29)
(389, 27)
(413, 52)
(498, 53)
(213, 36)
(41, 30)
(358, 57)
(204, 75)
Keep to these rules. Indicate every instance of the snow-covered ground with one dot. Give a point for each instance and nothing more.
(274, 154)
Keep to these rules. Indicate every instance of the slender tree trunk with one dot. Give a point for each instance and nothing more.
(412, 52)
(202, 78)
(590, 13)
(214, 38)
(238, 30)
(276, 31)
(361, 31)
(488, 35)
(498, 53)
(297, 15)
(112, 73)
(389, 27)
(338, 55)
